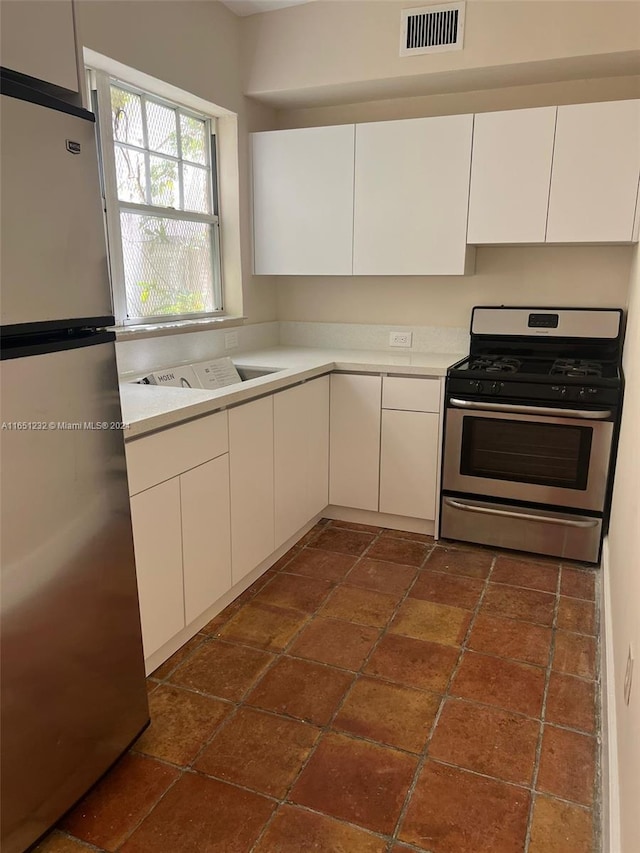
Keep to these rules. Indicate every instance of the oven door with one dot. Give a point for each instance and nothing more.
(557, 457)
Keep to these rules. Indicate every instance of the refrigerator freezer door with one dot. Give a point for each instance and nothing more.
(53, 248)
(73, 691)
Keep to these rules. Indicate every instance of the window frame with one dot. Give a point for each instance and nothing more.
(100, 83)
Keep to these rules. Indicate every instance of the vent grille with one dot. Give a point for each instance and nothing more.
(432, 29)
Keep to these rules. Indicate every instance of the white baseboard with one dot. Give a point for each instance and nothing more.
(610, 775)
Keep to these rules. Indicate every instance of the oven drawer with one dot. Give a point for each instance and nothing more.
(556, 460)
(571, 537)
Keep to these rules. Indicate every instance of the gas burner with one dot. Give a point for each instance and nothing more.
(575, 367)
(495, 364)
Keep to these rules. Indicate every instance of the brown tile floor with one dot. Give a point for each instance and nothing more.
(372, 693)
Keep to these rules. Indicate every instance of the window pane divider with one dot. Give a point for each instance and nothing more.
(168, 212)
(145, 142)
(112, 212)
(149, 151)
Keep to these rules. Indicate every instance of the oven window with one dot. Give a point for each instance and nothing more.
(526, 452)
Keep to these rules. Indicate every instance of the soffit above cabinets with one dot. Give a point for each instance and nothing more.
(452, 82)
(255, 7)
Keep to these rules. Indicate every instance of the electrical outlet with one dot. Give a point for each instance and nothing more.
(230, 340)
(628, 677)
(400, 339)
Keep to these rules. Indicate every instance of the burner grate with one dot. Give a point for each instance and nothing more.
(575, 367)
(495, 364)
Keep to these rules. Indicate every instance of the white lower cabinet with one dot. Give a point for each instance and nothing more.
(354, 440)
(206, 535)
(384, 440)
(408, 463)
(157, 533)
(251, 478)
(180, 512)
(301, 463)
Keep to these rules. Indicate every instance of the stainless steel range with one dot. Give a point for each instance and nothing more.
(531, 420)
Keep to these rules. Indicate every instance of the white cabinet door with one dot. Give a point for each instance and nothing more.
(412, 196)
(38, 39)
(408, 463)
(157, 537)
(303, 201)
(317, 403)
(206, 535)
(354, 440)
(594, 181)
(511, 175)
(291, 449)
(251, 476)
(301, 445)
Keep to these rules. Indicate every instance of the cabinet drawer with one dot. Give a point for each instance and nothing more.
(411, 395)
(158, 457)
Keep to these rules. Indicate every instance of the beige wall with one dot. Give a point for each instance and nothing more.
(624, 569)
(350, 50)
(547, 275)
(194, 45)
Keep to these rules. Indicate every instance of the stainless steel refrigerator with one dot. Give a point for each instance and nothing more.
(72, 672)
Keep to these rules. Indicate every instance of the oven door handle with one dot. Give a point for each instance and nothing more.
(564, 522)
(531, 410)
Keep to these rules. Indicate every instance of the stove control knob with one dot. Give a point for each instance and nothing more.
(478, 387)
(585, 393)
(560, 390)
(496, 387)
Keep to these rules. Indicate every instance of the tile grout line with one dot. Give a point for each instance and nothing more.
(277, 656)
(328, 727)
(182, 770)
(383, 631)
(323, 730)
(446, 694)
(543, 710)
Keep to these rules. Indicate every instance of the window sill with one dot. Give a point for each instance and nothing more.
(153, 330)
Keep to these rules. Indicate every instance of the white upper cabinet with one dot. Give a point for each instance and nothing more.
(411, 196)
(511, 175)
(596, 165)
(303, 201)
(38, 39)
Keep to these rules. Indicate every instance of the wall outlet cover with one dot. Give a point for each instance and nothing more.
(230, 340)
(400, 339)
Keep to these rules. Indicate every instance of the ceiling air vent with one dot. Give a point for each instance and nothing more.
(431, 29)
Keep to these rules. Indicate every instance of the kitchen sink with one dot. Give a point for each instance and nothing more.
(202, 376)
(247, 373)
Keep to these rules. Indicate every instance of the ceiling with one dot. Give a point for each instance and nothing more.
(253, 7)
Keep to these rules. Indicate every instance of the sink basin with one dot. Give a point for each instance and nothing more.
(186, 377)
(247, 373)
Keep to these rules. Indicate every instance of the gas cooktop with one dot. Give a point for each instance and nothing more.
(542, 355)
(488, 366)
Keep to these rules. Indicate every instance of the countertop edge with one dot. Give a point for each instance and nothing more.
(140, 425)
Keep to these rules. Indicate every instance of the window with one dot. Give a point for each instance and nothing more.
(160, 190)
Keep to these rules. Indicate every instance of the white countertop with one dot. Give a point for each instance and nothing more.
(146, 408)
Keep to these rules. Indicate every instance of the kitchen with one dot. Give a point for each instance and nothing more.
(246, 65)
